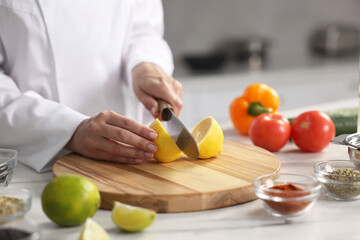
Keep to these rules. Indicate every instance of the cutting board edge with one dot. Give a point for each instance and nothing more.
(188, 202)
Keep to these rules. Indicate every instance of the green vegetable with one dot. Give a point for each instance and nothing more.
(345, 120)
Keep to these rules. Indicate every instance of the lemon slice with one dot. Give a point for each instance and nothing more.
(131, 218)
(167, 150)
(93, 231)
(209, 137)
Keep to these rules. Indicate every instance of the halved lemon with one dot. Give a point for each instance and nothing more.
(93, 231)
(167, 150)
(131, 218)
(209, 137)
(207, 134)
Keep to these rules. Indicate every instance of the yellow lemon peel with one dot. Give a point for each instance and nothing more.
(167, 150)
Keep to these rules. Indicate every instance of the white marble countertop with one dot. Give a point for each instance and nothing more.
(328, 219)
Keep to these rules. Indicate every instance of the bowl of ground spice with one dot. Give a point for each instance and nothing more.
(340, 179)
(14, 204)
(287, 195)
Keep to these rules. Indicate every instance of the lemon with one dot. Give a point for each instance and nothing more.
(207, 134)
(209, 137)
(93, 231)
(130, 218)
(69, 200)
(167, 150)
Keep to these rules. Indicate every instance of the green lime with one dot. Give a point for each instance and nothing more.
(69, 200)
(130, 218)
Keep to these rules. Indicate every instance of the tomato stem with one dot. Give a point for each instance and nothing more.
(256, 108)
(304, 124)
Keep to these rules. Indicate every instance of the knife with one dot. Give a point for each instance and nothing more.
(177, 130)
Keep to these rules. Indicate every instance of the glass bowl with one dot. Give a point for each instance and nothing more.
(336, 185)
(14, 204)
(301, 195)
(354, 156)
(8, 160)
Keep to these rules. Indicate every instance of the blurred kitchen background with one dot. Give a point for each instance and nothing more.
(236, 35)
(307, 50)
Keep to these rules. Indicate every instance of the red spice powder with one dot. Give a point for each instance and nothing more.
(287, 207)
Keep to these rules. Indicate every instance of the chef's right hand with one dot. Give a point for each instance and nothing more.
(112, 137)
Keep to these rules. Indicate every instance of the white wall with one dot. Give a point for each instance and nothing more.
(212, 95)
(197, 25)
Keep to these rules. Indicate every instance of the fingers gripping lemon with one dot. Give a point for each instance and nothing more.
(69, 200)
(207, 133)
(130, 218)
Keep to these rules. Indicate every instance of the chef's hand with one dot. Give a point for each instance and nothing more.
(150, 82)
(110, 136)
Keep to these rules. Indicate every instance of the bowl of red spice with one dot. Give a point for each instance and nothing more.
(287, 194)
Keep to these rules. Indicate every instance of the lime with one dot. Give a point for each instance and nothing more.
(209, 137)
(69, 199)
(93, 231)
(130, 218)
(167, 150)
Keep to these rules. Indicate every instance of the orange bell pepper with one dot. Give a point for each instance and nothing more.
(257, 98)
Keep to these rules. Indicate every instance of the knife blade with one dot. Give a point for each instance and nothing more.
(177, 130)
(339, 139)
(350, 140)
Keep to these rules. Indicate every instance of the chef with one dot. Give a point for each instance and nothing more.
(68, 72)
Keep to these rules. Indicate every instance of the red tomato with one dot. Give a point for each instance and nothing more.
(312, 131)
(270, 131)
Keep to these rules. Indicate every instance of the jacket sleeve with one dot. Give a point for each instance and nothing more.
(145, 43)
(34, 126)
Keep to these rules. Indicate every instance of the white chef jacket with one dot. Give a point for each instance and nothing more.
(62, 61)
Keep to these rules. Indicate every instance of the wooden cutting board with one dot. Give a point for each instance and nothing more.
(180, 186)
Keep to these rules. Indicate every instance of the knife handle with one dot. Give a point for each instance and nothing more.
(164, 108)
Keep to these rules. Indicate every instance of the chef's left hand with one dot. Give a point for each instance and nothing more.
(150, 82)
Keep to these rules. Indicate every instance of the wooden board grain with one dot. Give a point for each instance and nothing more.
(180, 186)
